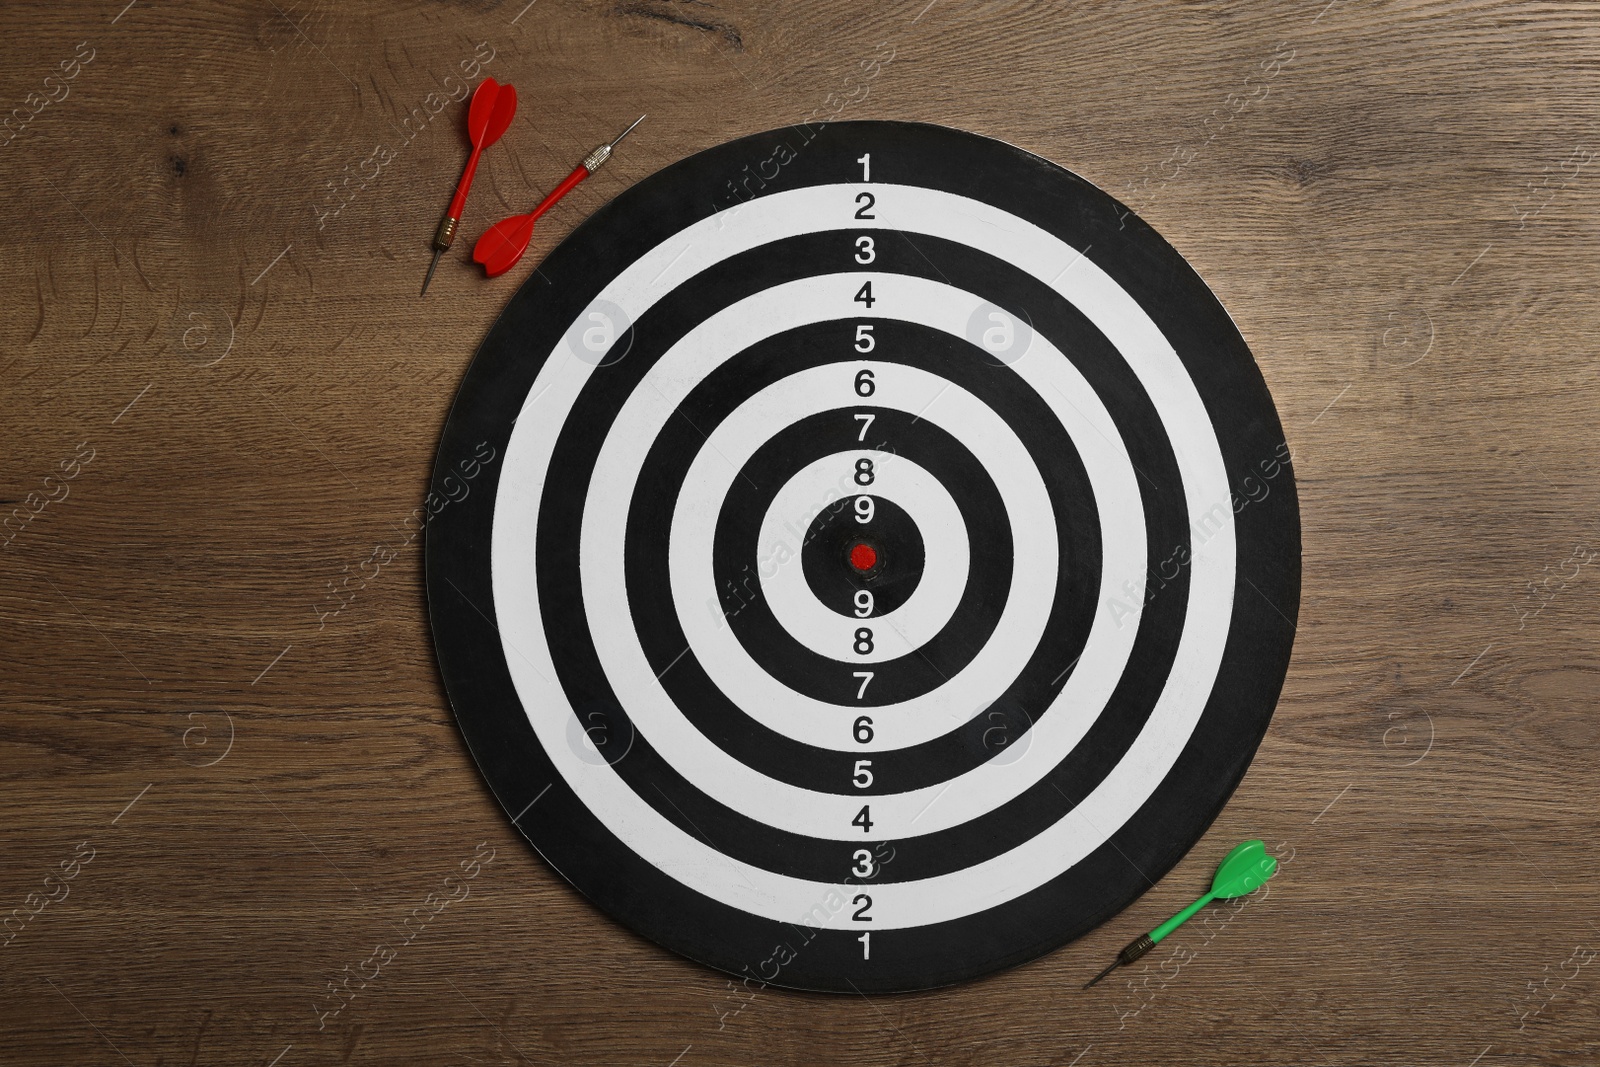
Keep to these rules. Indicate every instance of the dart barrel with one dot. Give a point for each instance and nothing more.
(1136, 949)
(445, 235)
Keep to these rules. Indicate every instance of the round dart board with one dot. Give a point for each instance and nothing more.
(863, 557)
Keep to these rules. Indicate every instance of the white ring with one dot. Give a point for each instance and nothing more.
(710, 477)
(1191, 675)
(830, 632)
(718, 652)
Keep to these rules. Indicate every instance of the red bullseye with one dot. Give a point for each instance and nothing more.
(863, 557)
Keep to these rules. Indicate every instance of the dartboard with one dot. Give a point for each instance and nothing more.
(863, 557)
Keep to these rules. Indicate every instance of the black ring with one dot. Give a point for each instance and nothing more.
(836, 570)
(969, 743)
(807, 671)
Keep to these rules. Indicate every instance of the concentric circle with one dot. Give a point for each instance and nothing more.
(855, 594)
(863, 557)
(946, 619)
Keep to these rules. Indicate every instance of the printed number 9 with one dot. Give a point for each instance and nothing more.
(865, 508)
(863, 603)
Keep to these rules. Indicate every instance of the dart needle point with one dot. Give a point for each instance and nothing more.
(618, 138)
(1102, 974)
(436, 254)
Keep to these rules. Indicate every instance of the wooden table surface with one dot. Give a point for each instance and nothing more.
(221, 392)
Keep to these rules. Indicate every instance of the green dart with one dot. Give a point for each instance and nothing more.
(1244, 870)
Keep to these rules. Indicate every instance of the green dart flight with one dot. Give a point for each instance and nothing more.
(1243, 871)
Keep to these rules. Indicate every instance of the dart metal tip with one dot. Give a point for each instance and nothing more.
(627, 131)
(436, 254)
(1102, 974)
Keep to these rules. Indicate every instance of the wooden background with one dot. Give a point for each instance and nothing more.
(221, 393)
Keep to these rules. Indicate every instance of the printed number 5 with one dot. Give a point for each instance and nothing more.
(863, 775)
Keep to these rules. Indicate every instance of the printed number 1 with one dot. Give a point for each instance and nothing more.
(866, 945)
(866, 167)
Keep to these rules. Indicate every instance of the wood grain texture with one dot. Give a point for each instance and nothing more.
(1395, 217)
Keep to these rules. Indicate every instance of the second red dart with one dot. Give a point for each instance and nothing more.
(490, 113)
(502, 244)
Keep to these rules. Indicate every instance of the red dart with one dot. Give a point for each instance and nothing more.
(491, 111)
(503, 243)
